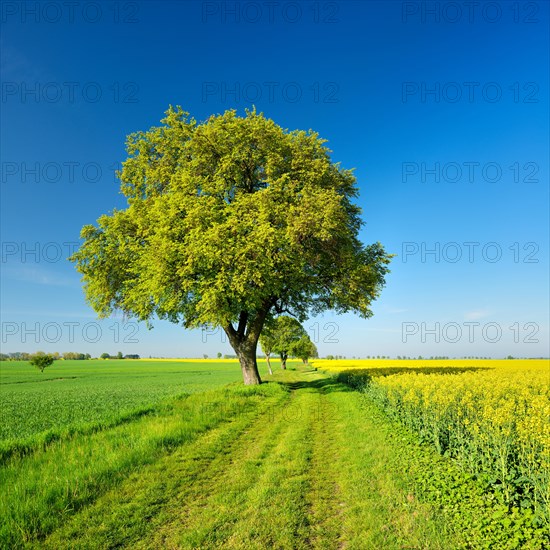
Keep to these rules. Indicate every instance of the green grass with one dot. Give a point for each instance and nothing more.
(83, 396)
(49, 486)
(302, 462)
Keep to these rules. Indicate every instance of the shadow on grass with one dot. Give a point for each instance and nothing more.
(362, 377)
(322, 385)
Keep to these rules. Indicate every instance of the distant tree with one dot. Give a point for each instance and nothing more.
(40, 360)
(286, 332)
(219, 355)
(267, 341)
(205, 356)
(105, 356)
(131, 356)
(330, 357)
(304, 348)
(20, 356)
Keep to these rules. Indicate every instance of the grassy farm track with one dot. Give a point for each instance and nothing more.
(304, 468)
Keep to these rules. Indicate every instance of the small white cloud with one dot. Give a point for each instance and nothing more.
(476, 314)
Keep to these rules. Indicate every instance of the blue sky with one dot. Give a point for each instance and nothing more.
(444, 116)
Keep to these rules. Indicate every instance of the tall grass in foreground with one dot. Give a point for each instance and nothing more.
(40, 491)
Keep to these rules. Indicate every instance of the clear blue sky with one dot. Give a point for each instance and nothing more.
(444, 116)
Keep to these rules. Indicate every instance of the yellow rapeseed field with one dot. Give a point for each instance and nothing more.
(491, 415)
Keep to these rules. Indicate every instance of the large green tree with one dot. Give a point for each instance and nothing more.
(230, 222)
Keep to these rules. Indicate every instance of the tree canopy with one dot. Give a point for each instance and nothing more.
(286, 336)
(284, 333)
(41, 360)
(304, 349)
(230, 222)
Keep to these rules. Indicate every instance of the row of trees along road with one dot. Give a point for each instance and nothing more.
(230, 222)
(286, 336)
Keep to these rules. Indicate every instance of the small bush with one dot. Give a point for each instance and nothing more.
(42, 361)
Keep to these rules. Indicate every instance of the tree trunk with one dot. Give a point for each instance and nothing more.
(244, 341)
(268, 363)
(249, 367)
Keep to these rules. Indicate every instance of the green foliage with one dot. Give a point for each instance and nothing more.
(41, 360)
(230, 222)
(71, 355)
(304, 349)
(267, 339)
(282, 335)
(105, 356)
(17, 356)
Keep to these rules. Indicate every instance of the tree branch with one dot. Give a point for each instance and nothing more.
(231, 333)
(257, 323)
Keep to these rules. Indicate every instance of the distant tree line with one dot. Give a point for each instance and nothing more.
(119, 355)
(75, 356)
(68, 355)
(24, 356)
